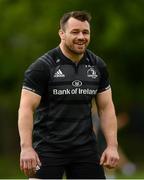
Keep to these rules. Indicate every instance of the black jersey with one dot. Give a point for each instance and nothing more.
(63, 118)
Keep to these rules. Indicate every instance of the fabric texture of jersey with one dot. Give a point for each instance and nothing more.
(63, 119)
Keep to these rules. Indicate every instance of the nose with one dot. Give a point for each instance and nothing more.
(80, 35)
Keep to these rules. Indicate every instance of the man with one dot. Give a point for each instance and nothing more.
(59, 88)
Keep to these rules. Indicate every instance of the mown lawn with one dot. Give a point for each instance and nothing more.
(138, 175)
(9, 169)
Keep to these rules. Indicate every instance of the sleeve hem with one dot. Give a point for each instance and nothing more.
(32, 90)
(104, 89)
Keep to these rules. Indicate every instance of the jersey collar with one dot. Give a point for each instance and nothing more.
(67, 60)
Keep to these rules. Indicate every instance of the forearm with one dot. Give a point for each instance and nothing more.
(109, 125)
(25, 125)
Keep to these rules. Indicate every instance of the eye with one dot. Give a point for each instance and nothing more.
(74, 32)
(86, 32)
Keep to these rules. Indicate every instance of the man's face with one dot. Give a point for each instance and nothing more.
(76, 36)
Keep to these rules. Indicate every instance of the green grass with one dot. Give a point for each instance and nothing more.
(139, 174)
(9, 169)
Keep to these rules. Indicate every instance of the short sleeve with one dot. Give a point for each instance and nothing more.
(104, 79)
(36, 78)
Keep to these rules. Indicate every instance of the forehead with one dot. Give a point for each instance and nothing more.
(73, 23)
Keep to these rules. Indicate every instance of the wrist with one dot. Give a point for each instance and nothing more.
(115, 145)
(26, 146)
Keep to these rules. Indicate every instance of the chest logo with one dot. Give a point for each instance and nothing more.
(59, 73)
(77, 83)
(92, 73)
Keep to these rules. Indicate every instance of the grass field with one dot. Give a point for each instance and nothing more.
(9, 169)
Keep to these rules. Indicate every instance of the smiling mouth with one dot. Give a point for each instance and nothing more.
(80, 44)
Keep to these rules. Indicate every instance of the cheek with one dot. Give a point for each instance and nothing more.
(69, 38)
(88, 39)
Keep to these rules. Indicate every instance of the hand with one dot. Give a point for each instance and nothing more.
(29, 161)
(110, 157)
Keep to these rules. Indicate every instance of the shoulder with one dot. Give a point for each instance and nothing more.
(44, 62)
(97, 60)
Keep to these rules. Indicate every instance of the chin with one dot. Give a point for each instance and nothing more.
(81, 51)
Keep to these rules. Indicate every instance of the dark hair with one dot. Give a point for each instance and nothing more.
(80, 15)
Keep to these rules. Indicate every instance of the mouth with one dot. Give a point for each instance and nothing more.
(80, 43)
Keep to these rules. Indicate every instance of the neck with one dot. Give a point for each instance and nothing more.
(73, 57)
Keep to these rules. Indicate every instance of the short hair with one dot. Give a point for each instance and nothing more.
(80, 15)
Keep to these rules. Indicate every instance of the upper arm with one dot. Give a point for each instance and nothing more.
(29, 100)
(36, 78)
(104, 100)
(104, 83)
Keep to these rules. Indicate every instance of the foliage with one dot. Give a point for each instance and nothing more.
(29, 29)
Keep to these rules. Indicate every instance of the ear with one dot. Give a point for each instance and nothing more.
(62, 34)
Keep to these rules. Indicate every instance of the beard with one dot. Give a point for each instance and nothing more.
(76, 48)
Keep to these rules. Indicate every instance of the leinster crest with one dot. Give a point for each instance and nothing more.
(91, 73)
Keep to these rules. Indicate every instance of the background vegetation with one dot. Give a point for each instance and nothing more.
(29, 28)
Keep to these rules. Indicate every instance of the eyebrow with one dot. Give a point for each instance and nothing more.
(79, 29)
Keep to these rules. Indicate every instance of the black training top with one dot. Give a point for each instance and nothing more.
(63, 118)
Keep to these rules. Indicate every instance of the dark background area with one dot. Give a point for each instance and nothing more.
(29, 28)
